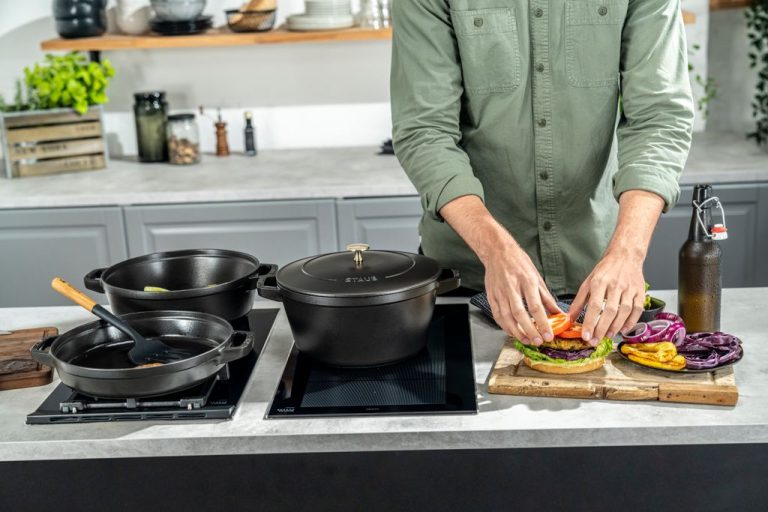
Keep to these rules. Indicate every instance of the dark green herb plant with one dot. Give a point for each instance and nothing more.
(62, 81)
(757, 25)
(708, 85)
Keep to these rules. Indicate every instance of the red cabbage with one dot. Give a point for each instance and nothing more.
(568, 355)
(706, 350)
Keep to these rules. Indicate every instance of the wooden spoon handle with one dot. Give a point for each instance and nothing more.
(73, 293)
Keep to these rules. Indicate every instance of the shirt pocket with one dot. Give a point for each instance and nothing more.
(489, 49)
(593, 41)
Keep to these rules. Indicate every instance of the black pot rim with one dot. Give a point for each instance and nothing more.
(179, 294)
(358, 300)
(141, 373)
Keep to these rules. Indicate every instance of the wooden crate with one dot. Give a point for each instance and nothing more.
(52, 142)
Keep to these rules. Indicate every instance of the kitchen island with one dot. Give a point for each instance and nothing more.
(455, 460)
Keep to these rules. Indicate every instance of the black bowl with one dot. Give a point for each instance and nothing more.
(72, 28)
(78, 8)
(657, 306)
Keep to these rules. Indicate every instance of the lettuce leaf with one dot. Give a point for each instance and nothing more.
(603, 349)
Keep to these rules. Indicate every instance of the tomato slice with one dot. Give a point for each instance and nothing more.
(559, 323)
(572, 333)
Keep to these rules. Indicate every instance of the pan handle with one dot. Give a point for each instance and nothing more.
(92, 280)
(238, 349)
(267, 288)
(449, 280)
(40, 352)
(264, 270)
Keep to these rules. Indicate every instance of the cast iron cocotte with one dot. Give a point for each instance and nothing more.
(360, 308)
(213, 281)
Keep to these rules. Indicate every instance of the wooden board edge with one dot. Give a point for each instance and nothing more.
(28, 380)
(710, 395)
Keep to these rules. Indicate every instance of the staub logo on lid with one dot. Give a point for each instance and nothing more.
(362, 279)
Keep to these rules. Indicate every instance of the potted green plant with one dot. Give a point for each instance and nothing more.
(54, 123)
(757, 25)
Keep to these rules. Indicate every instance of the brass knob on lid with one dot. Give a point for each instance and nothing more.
(358, 250)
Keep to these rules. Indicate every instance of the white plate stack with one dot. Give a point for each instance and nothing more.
(323, 15)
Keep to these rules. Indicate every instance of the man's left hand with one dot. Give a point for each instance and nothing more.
(614, 294)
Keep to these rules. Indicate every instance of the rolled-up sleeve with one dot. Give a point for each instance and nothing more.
(426, 89)
(654, 132)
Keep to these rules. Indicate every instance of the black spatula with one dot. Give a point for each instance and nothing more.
(144, 351)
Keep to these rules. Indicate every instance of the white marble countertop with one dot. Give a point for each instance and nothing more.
(308, 173)
(503, 421)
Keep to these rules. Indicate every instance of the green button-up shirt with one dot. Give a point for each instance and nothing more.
(517, 102)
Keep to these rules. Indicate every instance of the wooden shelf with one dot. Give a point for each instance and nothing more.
(716, 5)
(212, 38)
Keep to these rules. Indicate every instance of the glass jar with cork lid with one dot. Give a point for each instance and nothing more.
(183, 139)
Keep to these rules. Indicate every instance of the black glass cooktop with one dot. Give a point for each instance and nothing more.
(217, 398)
(441, 379)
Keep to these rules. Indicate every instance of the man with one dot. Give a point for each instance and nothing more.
(545, 138)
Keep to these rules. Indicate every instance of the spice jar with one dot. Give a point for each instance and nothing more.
(183, 139)
(150, 111)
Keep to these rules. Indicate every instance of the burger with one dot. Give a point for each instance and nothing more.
(566, 353)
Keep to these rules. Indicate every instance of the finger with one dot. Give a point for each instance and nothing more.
(594, 309)
(536, 309)
(622, 315)
(549, 302)
(502, 314)
(574, 311)
(638, 305)
(523, 319)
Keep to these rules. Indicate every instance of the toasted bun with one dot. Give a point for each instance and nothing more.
(566, 344)
(588, 365)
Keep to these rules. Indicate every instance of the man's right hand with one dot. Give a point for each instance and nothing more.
(510, 278)
(510, 275)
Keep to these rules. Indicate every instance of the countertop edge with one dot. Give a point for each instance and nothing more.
(398, 441)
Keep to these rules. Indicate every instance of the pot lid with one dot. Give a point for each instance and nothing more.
(359, 272)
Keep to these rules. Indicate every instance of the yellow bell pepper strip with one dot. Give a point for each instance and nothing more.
(657, 355)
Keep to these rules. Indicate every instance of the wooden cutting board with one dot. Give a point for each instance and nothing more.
(17, 368)
(618, 379)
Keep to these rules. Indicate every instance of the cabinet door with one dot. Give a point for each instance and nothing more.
(37, 245)
(387, 223)
(275, 232)
(741, 263)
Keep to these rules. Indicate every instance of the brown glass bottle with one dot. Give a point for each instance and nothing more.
(699, 283)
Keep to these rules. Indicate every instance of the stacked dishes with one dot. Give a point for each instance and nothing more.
(323, 15)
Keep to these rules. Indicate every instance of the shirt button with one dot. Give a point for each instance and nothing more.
(544, 175)
(540, 68)
(542, 122)
(539, 12)
(478, 22)
(602, 11)
(547, 226)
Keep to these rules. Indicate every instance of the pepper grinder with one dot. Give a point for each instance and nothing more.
(222, 145)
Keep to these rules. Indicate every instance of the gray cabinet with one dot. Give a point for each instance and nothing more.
(385, 223)
(275, 232)
(743, 264)
(37, 245)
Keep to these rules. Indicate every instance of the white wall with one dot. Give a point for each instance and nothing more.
(302, 95)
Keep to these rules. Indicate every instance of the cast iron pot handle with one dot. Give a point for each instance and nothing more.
(40, 354)
(267, 287)
(264, 270)
(92, 280)
(448, 281)
(235, 352)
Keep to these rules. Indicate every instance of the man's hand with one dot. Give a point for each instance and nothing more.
(510, 275)
(615, 290)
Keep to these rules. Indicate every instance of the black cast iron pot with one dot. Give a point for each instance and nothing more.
(213, 281)
(210, 337)
(360, 308)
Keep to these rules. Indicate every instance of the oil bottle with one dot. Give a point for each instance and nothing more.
(699, 279)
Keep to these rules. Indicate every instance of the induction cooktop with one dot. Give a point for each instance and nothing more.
(439, 380)
(216, 398)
